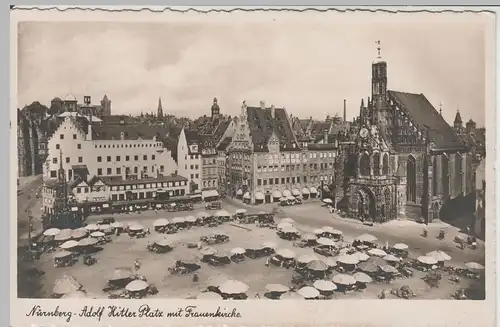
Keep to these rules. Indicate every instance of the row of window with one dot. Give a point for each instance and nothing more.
(286, 180)
(118, 170)
(127, 158)
(288, 156)
(294, 167)
(147, 145)
(193, 176)
(148, 185)
(68, 160)
(78, 146)
(209, 161)
(211, 183)
(145, 195)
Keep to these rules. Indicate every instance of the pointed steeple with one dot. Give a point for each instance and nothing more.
(160, 109)
(458, 118)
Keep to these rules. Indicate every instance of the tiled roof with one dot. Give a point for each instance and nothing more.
(426, 117)
(118, 180)
(321, 146)
(262, 125)
(224, 144)
(131, 131)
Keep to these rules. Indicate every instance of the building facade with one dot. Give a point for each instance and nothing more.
(265, 161)
(400, 139)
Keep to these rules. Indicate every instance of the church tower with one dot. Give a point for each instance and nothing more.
(379, 78)
(160, 109)
(458, 123)
(215, 110)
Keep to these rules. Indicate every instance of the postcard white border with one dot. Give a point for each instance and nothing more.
(282, 313)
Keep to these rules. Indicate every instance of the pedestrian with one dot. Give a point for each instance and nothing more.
(462, 245)
(137, 264)
(268, 260)
(468, 230)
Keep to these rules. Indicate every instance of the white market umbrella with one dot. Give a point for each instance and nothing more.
(136, 285)
(308, 292)
(377, 252)
(51, 232)
(69, 244)
(233, 287)
(439, 255)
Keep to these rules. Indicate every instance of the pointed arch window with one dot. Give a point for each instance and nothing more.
(445, 176)
(411, 179)
(458, 174)
(376, 164)
(364, 165)
(435, 175)
(385, 165)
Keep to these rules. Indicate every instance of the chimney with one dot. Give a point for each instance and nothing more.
(345, 110)
(262, 105)
(325, 136)
(273, 112)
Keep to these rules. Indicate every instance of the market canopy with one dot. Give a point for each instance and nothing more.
(343, 279)
(308, 292)
(65, 285)
(51, 232)
(439, 255)
(295, 192)
(241, 211)
(233, 287)
(278, 288)
(305, 191)
(136, 286)
(247, 196)
(259, 196)
(286, 193)
(324, 285)
(313, 190)
(366, 238)
(222, 213)
(239, 192)
(161, 222)
(400, 246)
(277, 194)
(285, 253)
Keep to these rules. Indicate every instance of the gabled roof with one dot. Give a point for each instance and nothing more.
(427, 117)
(224, 144)
(262, 126)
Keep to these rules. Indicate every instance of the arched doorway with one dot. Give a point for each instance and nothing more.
(411, 179)
(366, 205)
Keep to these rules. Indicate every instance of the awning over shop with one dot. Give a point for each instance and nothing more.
(246, 196)
(313, 190)
(239, 192)
(259, 196)
(295, 192)
(305, 191)
(277, 194)
(209, 194)
(286, 193)
(195, 196)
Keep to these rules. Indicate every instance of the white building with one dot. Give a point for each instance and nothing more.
(189, 159)
(86, 150)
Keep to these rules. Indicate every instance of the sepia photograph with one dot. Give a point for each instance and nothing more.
(246, 159)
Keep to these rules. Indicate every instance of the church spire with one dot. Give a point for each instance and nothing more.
(160, 109)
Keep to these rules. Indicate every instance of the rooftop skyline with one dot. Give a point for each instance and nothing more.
(308, 68)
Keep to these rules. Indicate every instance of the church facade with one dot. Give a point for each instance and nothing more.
(401, 158)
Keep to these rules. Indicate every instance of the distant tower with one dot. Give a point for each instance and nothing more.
(215, 109)
(457, 123)
(160, 109)
(379, 77)
(106, 106)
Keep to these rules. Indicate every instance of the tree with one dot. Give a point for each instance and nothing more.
(36, 111)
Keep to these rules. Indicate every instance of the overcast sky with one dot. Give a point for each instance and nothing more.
(309, 68)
